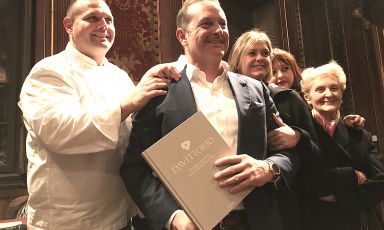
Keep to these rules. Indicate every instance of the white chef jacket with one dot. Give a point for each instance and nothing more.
(75, 143)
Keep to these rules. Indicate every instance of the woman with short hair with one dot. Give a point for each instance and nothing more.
(346, 182)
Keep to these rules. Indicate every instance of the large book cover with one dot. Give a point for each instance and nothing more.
(184, 161)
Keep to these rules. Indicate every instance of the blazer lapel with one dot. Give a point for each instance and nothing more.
(340, 137)
(240, 92)
(180, 98)
(336, 143)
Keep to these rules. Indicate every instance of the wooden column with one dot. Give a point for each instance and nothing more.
(170, 47)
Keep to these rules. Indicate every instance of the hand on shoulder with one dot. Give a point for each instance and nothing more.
(152, 84)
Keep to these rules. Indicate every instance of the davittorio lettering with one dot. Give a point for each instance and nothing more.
(192, 155)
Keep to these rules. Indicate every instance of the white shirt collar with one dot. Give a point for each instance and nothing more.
(194, 71)
(82, 58)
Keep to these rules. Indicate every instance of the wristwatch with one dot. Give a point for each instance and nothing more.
(274, 169)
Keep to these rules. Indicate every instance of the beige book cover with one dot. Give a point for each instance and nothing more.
(184, 161)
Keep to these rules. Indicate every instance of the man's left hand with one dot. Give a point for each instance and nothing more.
(243, 173)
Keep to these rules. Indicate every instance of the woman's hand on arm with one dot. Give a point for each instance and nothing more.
(361, 177)
(355, 121)
(283, 137)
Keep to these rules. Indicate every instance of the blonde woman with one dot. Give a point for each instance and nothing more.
(251, 56)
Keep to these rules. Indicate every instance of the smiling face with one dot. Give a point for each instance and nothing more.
(91, 29)
(206, 36)
(282, 75)
(325, 96)
(256, 62)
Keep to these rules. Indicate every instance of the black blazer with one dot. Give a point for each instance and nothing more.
(164, 113)
(348, 150)
(295, 112)
(292, 108)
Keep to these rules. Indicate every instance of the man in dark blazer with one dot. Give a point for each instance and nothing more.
(246, 104)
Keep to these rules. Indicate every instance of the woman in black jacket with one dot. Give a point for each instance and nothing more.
(349, 175)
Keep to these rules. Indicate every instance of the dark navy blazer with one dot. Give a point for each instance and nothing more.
(162, 114)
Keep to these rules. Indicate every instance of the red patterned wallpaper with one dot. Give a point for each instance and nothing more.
(136, 46)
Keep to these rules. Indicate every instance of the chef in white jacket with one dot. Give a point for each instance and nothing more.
(76, 108)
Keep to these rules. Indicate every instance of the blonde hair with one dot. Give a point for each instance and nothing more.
(245, 43)
(332, 68)
(182, 18)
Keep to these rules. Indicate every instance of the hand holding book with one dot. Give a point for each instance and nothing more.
(184, 161)
(243, 173)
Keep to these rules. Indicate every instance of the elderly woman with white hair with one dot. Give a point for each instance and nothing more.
(341, 190)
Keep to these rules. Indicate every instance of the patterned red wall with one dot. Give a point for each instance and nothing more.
(136, 46)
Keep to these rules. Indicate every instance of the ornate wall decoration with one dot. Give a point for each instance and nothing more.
(358, 13)
(136, 46)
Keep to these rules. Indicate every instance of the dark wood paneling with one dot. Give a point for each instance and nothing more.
(315, 32)
(281, 24)
(170, 47)
(243, 17)
(50, 36)
(338, 48)
(239, 20)
(294, 41)
(373, 10)
(42, 29)
(60, 35)
(377, 77)
(363, 49)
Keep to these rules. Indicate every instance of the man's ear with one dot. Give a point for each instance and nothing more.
(68, 24)
(180, 34)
